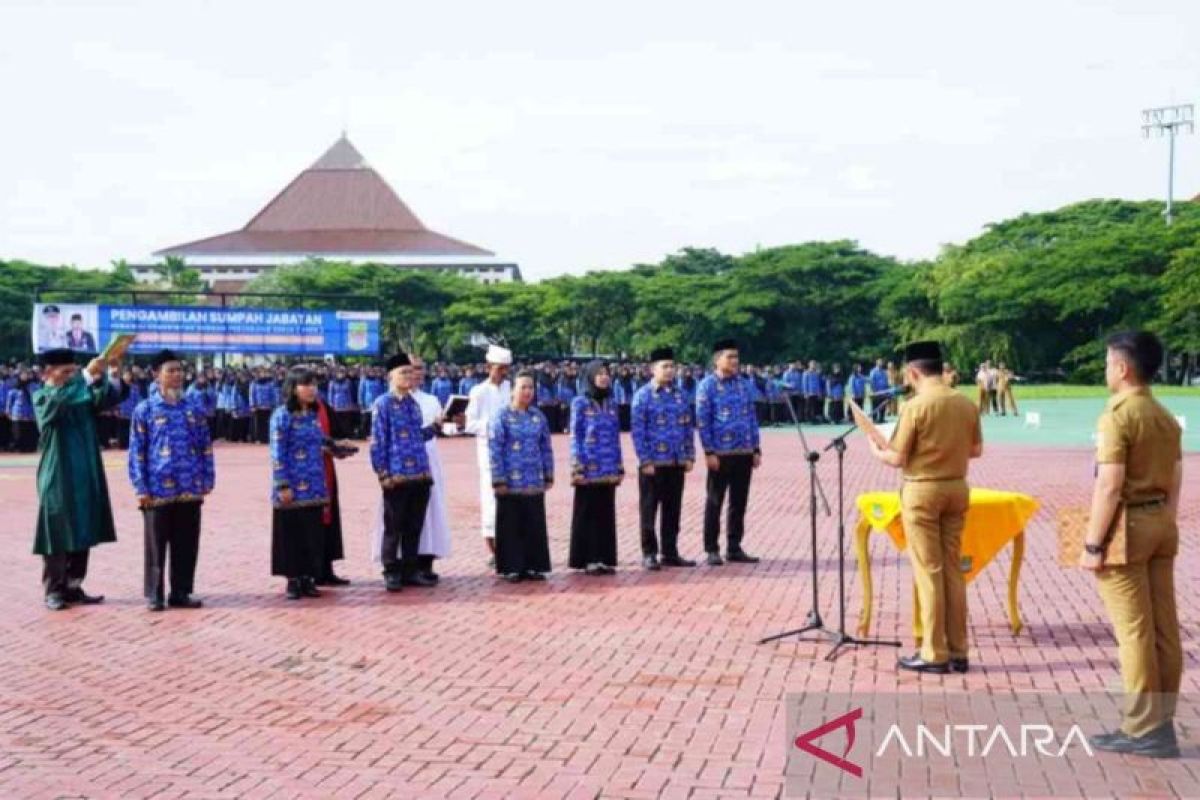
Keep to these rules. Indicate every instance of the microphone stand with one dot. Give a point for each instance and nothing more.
(813, 621)
(840, 637)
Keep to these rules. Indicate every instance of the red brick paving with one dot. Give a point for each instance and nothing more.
(642, 685)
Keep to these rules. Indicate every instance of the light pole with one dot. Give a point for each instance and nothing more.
(1169, 121)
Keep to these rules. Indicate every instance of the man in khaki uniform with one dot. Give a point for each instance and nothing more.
(937, 435)
(1139, 457)
(1004, 390)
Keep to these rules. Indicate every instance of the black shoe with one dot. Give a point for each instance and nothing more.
(78, 595)
(917, 664)
(417, 579)
(156, 604)
(393, 583)
(513, 577)
(651, 563)
(530, 575)
(55, 602)
(740, 556)
(308, 587)
(676, 561)
(594, 569)
(431, 575)
(959, 664)
(294, 592)
(333, 580)
(714, 559)
(605, 569)
(184, 601)
(1159, 743)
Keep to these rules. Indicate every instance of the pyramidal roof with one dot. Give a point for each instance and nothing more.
(339, 205)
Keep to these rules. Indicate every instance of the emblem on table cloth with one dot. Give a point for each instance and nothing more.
(877, 511)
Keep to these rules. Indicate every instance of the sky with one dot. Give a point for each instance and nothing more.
(570, 136)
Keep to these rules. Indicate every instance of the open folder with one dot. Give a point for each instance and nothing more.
(117, 346)
(868, 427)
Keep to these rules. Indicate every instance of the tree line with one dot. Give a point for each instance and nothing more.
(1038, 291)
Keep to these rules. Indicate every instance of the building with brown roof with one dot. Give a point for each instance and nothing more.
(339, 209)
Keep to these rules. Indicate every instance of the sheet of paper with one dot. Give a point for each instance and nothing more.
(869, 428)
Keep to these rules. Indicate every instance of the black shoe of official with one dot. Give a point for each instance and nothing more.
(605, 569)
(184, 601)
(1159, 743)
(676, 561)
(156, 604)
(418, 579)
(651, 563)
(78, 595)
(714, 559)
(593, 569)
(740, 556)
(959, 664)
(915, 663)
(333, 580)
(431, 575)
(530, 575)
(308, 587)
(293, 589)
(393, 583)
(55, 602)
(513, 577)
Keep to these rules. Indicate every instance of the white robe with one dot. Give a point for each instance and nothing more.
(483, 403)
(435, 534)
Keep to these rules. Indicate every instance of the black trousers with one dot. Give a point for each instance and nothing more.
(63, 571)
(554, 417)
(779, 412)
(25, 435)
(521, 541)
(816, 407)
(798, 406)
(624, 416)
(732, 477)
(837, 411)
(345, 423)
(239, 429)
(364, 427)
(662, 490)
(594, 526)
(762, 410)
(171, 530)
(404, 509)
(222, 423)
(261, 423)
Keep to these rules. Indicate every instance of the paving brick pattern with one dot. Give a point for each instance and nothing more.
(640, 685)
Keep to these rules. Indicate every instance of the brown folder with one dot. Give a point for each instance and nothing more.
(1072, 533)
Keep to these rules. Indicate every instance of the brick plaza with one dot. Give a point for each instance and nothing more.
(640, 685)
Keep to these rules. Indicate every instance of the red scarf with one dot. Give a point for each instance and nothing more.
(330, 477)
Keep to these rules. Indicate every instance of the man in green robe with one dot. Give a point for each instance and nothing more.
(74, 513)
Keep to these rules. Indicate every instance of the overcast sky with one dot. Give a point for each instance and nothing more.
(573, 136)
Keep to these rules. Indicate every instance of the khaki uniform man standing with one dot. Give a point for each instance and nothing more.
(1139, 456)
(937, 436)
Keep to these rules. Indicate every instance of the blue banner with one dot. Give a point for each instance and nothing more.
(192, 329)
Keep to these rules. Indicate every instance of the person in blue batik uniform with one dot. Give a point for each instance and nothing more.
(879, 384)
(729, 436)
(522, 468)
(299, 493)
(21, 414)
(836, 388)
(342, 402)
(202, 395)
(370, 387)
(401, 463)
(596, 471)
(857, 386)
(442, 387)
(171, 469)
(664, 436)
(239, 409)
(264, 396)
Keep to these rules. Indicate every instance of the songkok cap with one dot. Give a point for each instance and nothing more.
(725, 344)
(162, 357)
(923, 351)
(57, 357)
(398, 360)
(662, 354)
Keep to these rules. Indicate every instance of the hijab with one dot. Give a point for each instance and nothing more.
(594, 392)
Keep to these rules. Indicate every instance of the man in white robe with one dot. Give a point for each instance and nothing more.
(484, 402)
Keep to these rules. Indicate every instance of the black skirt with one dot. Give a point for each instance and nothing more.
(522, 544)
(297, 537)
(594, 526)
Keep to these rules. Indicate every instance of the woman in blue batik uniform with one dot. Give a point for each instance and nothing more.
(522, 465)
(298, 490)
(596, 470)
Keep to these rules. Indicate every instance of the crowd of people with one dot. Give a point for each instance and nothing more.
(238, 401)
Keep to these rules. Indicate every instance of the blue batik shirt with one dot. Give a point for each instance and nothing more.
(858, 386)
(340, 395)
(127, 406)
(519, 451)
(725, 416)
(263, 393)
(398, 441)
(879, 380)
(595, 441)
(205, 397)
(441, 388)
(663, 425)
(368, 390)
(170, 453)
(297, 458)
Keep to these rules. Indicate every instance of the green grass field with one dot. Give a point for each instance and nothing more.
(1062, 391)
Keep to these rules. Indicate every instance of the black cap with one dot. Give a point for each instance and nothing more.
(162, 357)
(57, 357)
(923, 351)
(662, 354)
(725, 344)
(398, 360)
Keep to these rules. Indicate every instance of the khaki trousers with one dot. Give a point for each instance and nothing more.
(934, 513)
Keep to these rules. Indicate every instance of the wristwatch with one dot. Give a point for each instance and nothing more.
(1094, 549)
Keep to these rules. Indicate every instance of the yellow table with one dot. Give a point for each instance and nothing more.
(993, 520)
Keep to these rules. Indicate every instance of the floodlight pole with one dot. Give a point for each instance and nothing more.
(1169, 121)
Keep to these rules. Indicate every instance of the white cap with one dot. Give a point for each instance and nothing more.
(498, 355)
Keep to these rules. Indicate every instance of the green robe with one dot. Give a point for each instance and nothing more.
(74, 513)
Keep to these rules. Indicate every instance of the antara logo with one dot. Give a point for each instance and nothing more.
(979, 740)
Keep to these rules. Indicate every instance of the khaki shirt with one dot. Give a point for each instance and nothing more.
(937, 430)
(1135, 430)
